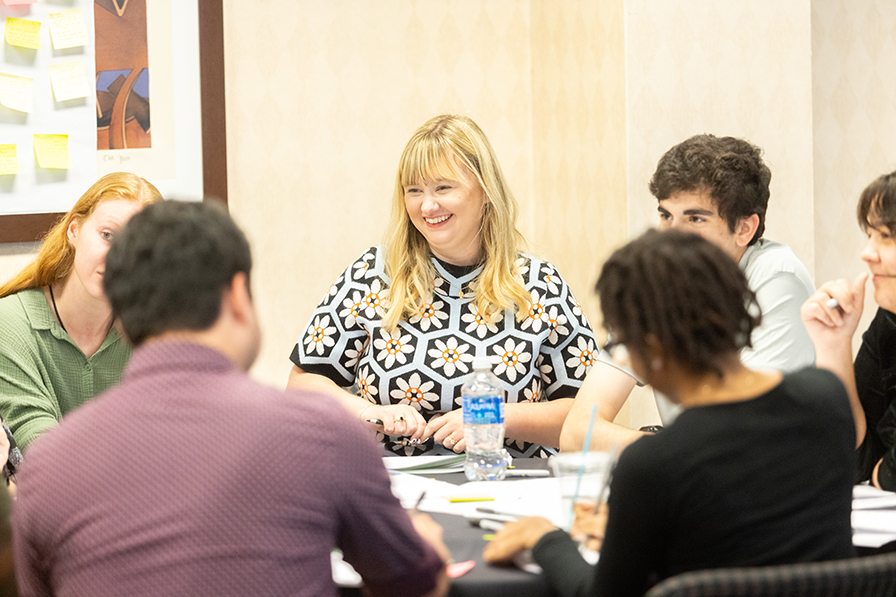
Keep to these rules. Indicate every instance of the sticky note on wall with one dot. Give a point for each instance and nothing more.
(51, 151)
(17, 93)
(9, 161)
(67, 29)
(23, 33)
(69, 80)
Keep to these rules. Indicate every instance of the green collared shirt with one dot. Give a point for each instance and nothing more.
(43, 373)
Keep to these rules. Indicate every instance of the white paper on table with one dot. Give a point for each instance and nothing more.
(438, 464)
(343, 573)
(875, 521)
(871, 539)
(396, 462)
(408, 488)
(867, 497)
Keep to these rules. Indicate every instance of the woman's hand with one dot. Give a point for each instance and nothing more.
(832, 328)
(398, 419)
(588, 526)
(515, 538)
(448, 430)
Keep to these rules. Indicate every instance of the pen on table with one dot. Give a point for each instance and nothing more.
(527, 472)
(487, 524)
(416, 508)
(508, 515)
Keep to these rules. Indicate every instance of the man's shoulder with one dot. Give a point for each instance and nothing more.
(770, 256)
(769, 260)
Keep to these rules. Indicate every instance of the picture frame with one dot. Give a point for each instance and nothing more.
(31, 227)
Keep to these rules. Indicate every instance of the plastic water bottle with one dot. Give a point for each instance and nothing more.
(483, 406)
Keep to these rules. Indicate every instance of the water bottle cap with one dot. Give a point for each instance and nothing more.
(482, 363)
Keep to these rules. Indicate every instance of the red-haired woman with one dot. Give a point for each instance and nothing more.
(58, 347)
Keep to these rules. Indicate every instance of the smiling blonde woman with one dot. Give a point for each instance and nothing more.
(402, 324)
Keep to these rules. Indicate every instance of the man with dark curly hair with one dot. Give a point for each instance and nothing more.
(718, 188)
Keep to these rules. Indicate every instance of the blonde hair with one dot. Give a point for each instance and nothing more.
(57, 255)
(435, 151)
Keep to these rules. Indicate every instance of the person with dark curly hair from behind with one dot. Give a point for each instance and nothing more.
(757, 469)
(718, 188)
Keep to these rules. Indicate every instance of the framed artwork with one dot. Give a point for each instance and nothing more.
(135, 112)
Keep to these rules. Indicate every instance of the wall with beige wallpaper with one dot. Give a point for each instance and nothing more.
(854, 122)
(727, 68)
(315, 130)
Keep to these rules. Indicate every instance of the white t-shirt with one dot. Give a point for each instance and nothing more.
(782, 284)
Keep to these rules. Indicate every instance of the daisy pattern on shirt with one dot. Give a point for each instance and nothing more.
(582, 356)
(577, 309)
(334, 288)
(536, 315)
(550, 279)
(352, 307)
(513, 359)
(533, 392)
(362, 265)
(477, 323)
(544, 369)
(522, 266)
(438, 284)
(354, 354)
(367, 384)
(402, 444)
(319, 335)
(414, 392)
(393, 346)
(557, 324)
(431, 316)
(373, 302)
(450, 356)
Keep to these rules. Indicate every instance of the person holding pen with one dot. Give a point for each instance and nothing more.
(58, 347)
(832, 315)
(756, 470)
(402, 324)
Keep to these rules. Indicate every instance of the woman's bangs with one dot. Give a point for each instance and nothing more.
(426, 162)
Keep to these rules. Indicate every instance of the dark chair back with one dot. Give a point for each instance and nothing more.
(872, 576)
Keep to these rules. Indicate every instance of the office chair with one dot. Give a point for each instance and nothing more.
(871, 576)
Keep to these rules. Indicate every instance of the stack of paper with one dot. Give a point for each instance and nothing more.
(873, 516)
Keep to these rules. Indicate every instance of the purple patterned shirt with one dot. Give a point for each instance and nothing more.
(190, 478)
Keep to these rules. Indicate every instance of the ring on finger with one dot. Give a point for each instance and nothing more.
(450, 439)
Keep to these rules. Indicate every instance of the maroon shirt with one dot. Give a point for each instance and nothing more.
(190, 478)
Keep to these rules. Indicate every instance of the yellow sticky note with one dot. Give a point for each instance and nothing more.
(17, 92)
(23, 33)
(9, 161)
(67, 29)
(52, 151)
(69, 80)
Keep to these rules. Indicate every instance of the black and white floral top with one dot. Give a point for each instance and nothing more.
(427, 359)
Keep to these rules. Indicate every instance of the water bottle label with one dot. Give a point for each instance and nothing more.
(483, 410)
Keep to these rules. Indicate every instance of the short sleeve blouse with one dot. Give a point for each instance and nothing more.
(426, 360)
